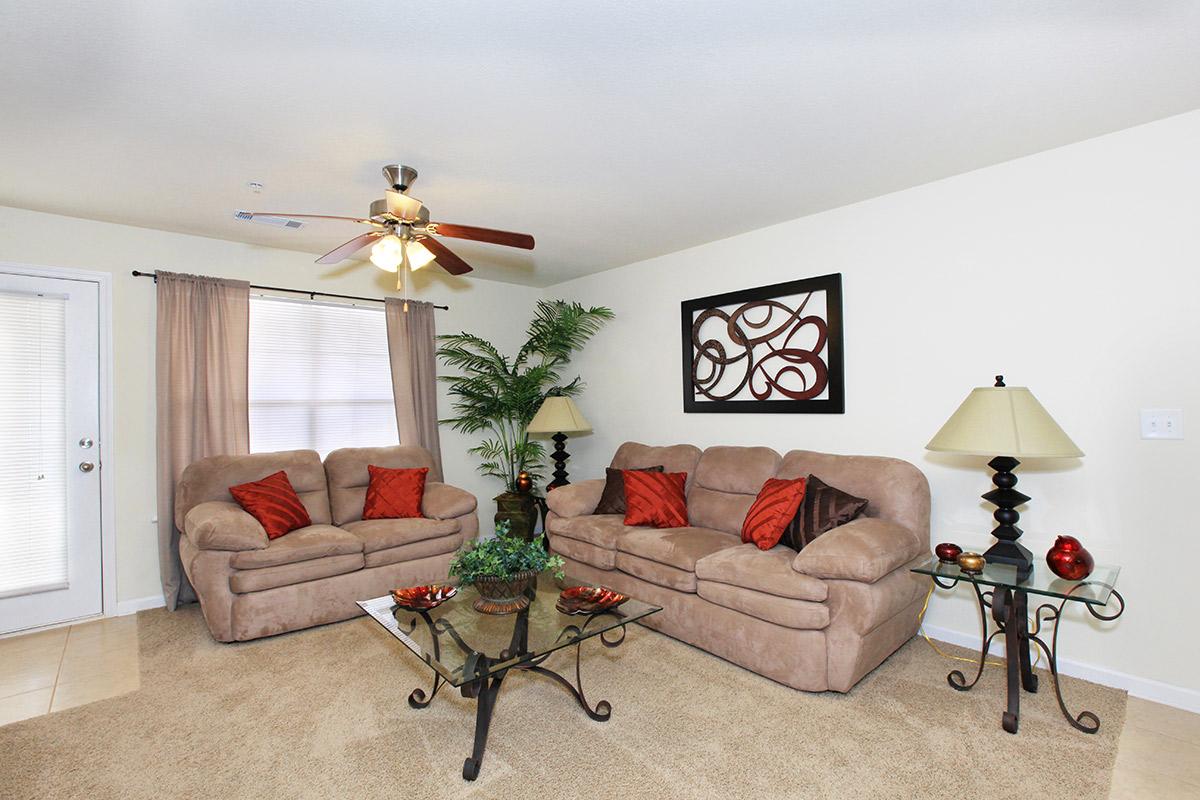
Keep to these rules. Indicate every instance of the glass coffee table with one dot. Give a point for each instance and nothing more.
(1006, 593)
(474, 652)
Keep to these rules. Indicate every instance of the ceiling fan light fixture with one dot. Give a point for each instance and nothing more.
(418, 256)
(388, 253)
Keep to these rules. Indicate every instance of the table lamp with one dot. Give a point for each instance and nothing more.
(559, 416)
(1005, 422)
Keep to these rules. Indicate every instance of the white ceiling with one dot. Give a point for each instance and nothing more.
(611, 131)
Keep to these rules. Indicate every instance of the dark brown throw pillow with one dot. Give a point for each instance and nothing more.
(824, 508)
(612, 499)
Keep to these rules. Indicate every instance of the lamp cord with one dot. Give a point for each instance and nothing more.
(942, 653)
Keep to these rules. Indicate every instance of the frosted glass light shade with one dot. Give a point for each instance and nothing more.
(1003, 421)
(559, 415)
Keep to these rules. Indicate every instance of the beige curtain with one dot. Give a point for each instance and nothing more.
(201, 364)
(412, 347)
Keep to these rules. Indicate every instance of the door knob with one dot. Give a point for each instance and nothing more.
(86, 443)
(86, 466)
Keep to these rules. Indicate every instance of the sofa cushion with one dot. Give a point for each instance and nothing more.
(274, 503)
(380, 534)
(653, 572)
(257, 580)
(767, 571)
(348, 477)
(773, 510)
(302, 544)
(210, 479)
(784, 611)
(443, 501)
(655, 498)
(412, 551)
(676, 547)
(727, 481)
(576, 550)
(394, 493)
(601, 530)
(674, 458)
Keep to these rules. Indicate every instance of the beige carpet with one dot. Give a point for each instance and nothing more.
(322, 714)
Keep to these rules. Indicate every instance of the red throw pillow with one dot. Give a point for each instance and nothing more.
(655, 499)
(394, 493)
(772, 511)
(274, 503)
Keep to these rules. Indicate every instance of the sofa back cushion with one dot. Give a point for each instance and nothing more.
(348, 477)
(210, 479)
(895, 490)
(673, 458)
(726, 482)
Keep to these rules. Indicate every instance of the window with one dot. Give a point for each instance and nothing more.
(320, 377)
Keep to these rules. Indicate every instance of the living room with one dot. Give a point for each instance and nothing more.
(931, 196)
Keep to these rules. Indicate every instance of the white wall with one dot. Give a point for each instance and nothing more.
(1073, 272)
(494, 310)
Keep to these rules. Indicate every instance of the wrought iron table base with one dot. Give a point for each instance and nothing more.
(486, 689)
(1010, 613)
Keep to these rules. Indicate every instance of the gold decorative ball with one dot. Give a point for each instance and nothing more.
(971, 563)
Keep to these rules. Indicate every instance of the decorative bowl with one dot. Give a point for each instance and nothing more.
(423, 598)
(588, 600)
(948, 552)
(971, 563)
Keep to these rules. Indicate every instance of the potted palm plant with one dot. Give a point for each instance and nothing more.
(498, 396)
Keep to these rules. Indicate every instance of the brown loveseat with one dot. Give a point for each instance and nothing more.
(815, 620)
(251, 586)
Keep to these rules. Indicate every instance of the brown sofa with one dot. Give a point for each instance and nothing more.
(251, 586)
(816, 620)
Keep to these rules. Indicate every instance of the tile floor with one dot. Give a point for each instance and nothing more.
(66, 667)
(1158, 756)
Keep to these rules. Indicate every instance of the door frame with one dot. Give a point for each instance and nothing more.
(108, 517)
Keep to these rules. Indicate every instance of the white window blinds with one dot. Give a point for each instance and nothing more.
(320, 377)
(33, 453)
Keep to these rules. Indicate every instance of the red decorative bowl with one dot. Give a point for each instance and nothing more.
(423, 598)
(588, 600)
(948, 552)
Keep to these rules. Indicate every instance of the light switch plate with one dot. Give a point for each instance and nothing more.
(1162, 423)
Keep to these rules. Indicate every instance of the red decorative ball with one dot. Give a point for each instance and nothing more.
(524, 483)
(1069, 559)
(947, 552)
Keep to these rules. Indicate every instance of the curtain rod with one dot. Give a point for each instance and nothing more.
(311, 294)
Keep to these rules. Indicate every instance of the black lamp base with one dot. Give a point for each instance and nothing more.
(559, 457)
(1006, 499)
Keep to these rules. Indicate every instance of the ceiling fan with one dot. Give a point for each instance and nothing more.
(401, 235)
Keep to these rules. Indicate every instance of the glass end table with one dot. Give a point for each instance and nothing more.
(1006, 593)
(473, 652)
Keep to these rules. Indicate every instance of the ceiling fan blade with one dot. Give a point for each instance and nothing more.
(350, 248)
(310, 216)
(445, 257)
(506, 238)
(403, 207)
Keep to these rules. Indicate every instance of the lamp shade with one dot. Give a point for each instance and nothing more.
(558, 415)
(1003, 421)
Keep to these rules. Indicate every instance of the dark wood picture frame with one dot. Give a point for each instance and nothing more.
(833, 403)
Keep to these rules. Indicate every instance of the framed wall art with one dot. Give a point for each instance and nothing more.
(773, 349)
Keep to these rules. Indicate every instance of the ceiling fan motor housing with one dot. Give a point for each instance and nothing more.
(399, 176)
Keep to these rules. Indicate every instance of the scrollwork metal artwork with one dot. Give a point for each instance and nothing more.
(774, 348)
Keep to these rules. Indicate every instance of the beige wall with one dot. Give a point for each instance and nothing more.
(492, 309)
(1074, 272)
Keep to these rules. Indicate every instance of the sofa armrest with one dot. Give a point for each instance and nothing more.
(575, 499)
(864, 550)
(443, 501)
(219, 525)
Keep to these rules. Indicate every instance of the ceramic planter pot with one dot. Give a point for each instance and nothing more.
(505, 595)
(520, 511)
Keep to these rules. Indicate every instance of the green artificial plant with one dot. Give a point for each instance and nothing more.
(500, 395)
(503, 556)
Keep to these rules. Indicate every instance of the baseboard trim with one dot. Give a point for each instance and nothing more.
(1155, 691)
(127, 607)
